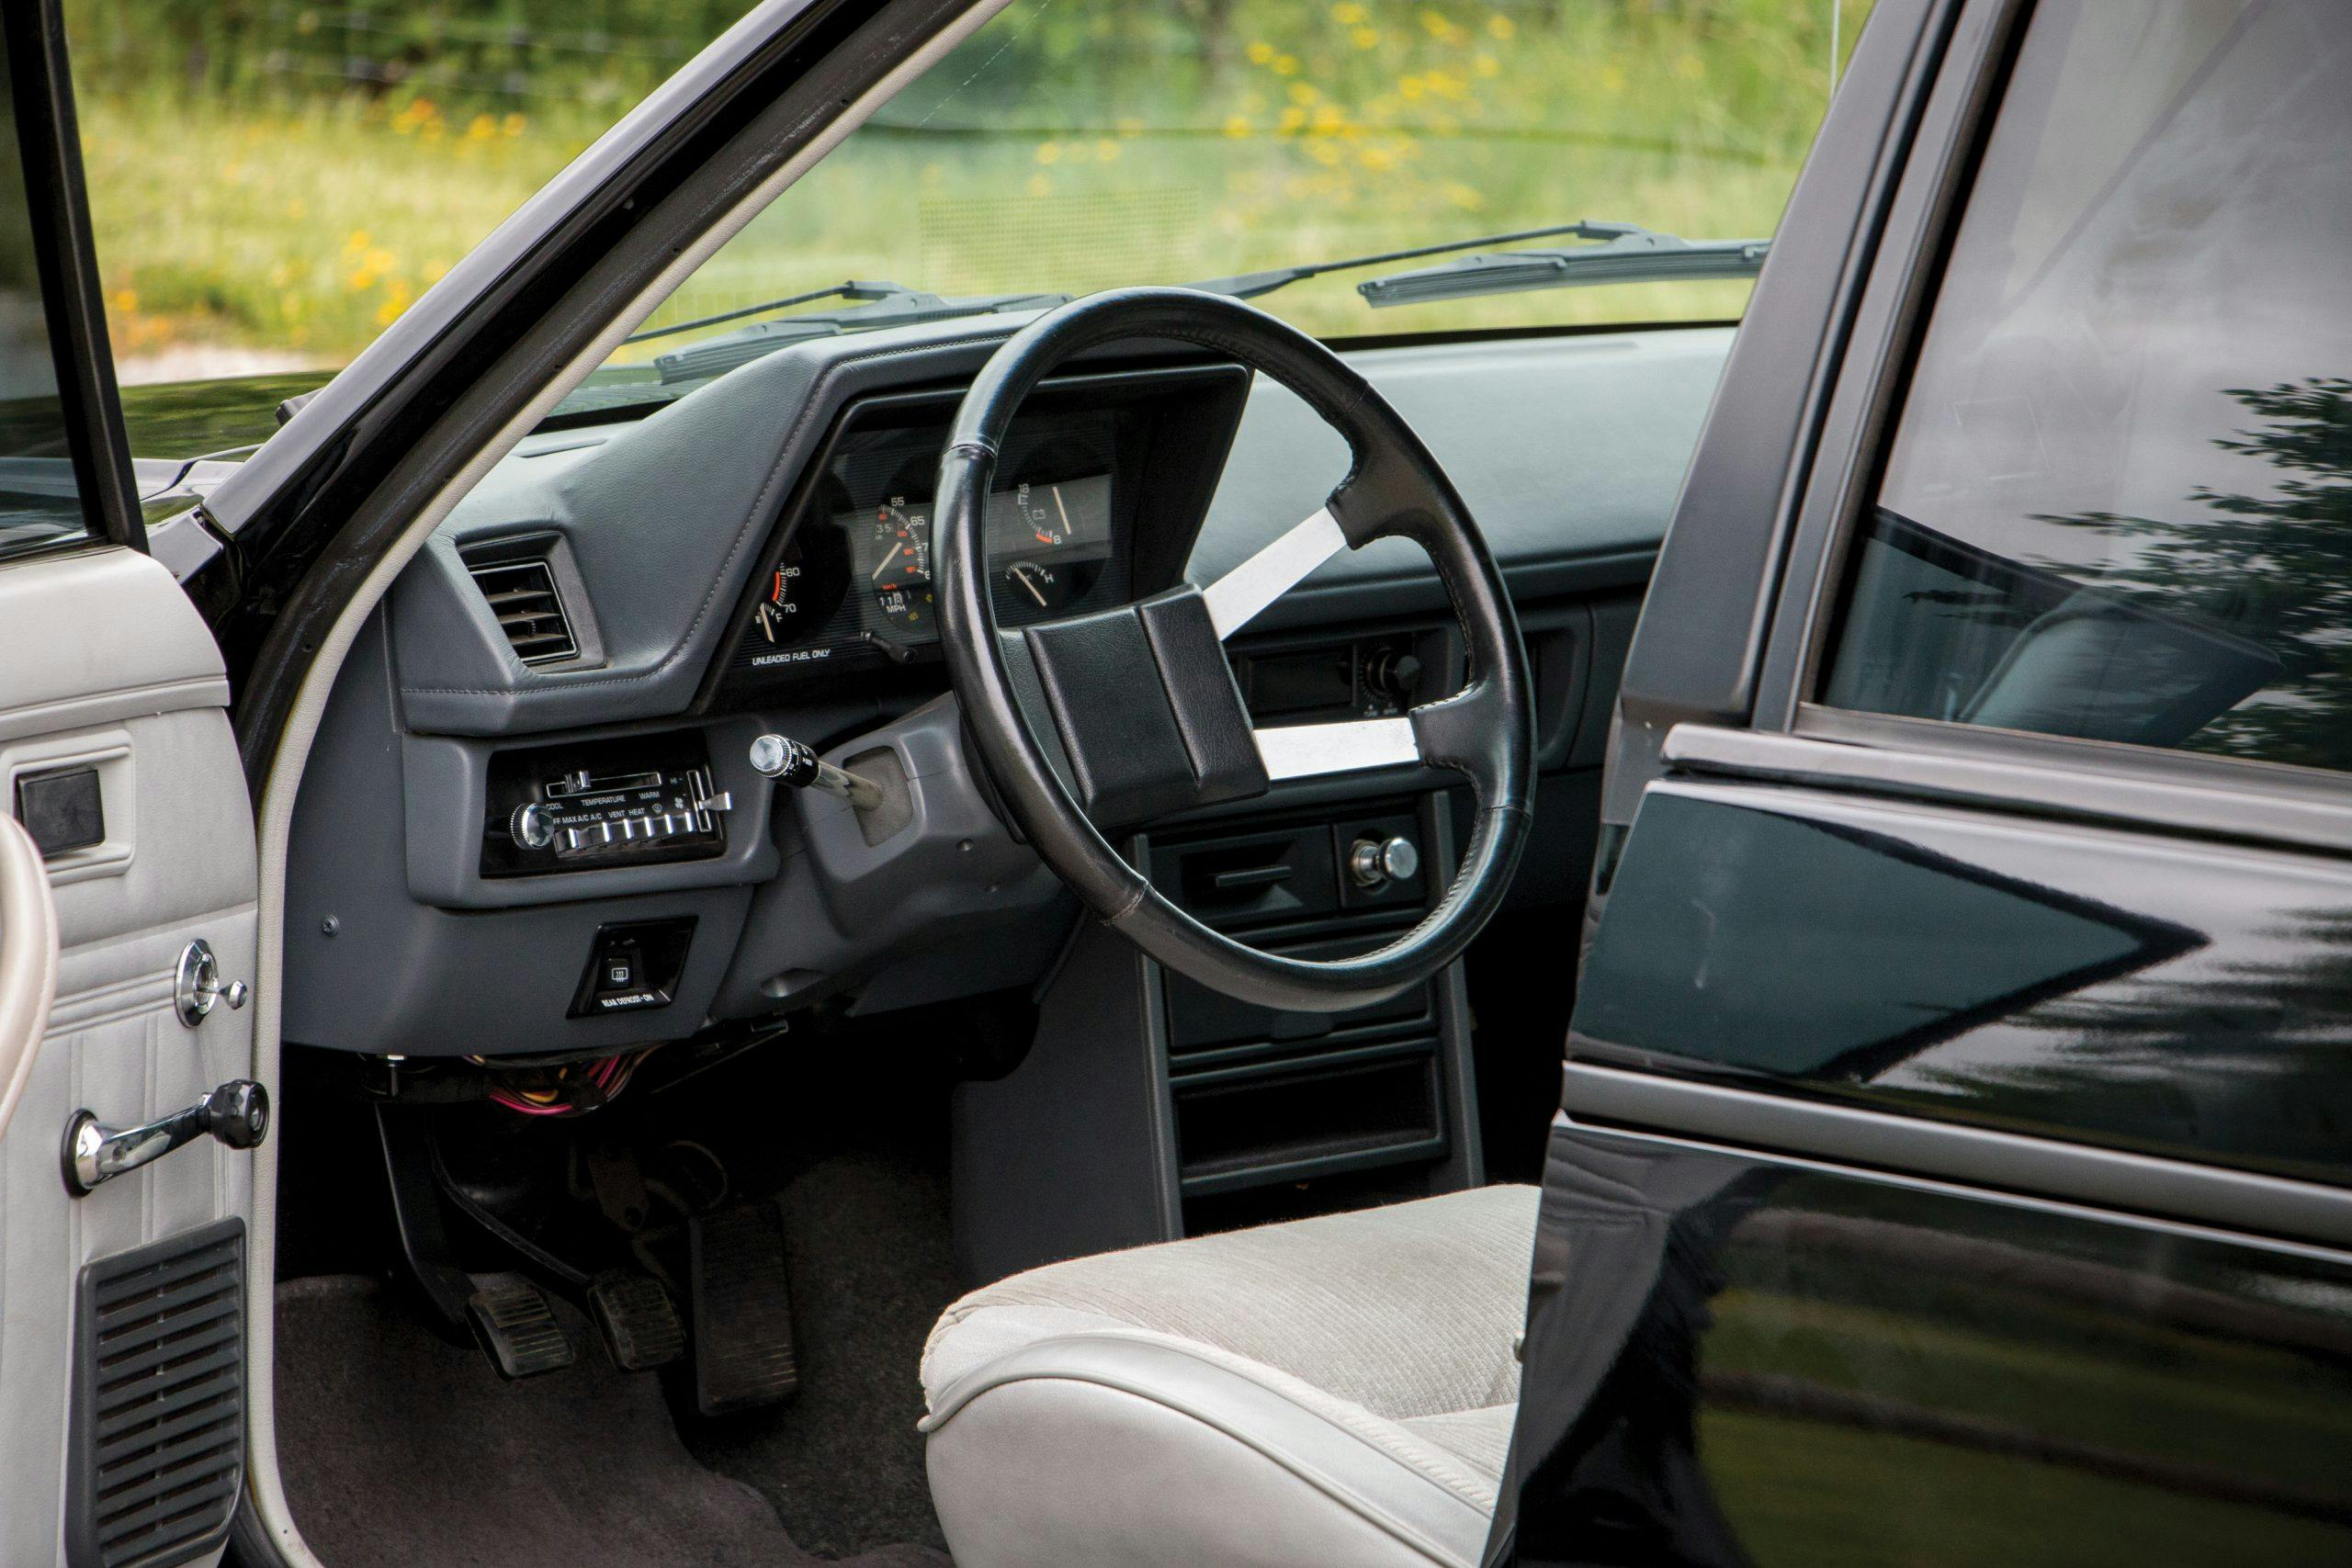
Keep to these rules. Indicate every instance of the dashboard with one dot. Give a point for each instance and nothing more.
(536, 756)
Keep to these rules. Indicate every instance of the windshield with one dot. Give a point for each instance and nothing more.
(1066, 147)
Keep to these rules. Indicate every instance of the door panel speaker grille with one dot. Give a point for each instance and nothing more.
(158, 1425)
(522, 594)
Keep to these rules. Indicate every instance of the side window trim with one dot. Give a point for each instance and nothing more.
(1875, 368)
(58, 212)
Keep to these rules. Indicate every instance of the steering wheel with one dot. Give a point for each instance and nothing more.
(1130, 713)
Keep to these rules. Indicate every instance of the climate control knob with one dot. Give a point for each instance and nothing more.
(1376, 862)
(530, 828)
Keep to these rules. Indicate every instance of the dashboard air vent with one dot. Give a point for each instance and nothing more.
(158, 1446)
(521, 593)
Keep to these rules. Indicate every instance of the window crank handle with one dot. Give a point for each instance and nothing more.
(237, 1113)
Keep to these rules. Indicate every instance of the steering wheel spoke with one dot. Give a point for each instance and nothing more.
(1351, 746)
(1236, 599)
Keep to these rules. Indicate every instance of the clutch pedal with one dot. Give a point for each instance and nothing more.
(516, 1326)
(638, 1320)
(741, 1308)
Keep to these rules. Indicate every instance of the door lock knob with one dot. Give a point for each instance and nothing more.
(196, 985)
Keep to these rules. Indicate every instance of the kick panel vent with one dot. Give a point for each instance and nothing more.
(158, 1438)
(522, 594)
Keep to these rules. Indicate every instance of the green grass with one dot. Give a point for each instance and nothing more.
(300, 223)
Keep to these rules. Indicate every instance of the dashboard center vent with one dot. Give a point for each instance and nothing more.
(521, 593)
(158, 1444)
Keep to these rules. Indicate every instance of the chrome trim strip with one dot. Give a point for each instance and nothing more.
(1605, 1099)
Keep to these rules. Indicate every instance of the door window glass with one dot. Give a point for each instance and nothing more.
(2118, 504)
(40, 501)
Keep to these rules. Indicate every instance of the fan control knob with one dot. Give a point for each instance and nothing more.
(530, 827)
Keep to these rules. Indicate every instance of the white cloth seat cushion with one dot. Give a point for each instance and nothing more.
(1339, 1389)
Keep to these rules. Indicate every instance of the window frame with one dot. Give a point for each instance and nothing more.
(2172, 789)
(57, 212)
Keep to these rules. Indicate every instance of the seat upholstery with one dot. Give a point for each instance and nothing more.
(1332, 1390)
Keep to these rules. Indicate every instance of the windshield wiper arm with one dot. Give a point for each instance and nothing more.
(852, 289)
(882, 305)
(1250, 285)
(1626, 254)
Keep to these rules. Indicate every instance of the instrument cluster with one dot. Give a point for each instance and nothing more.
(853, 582)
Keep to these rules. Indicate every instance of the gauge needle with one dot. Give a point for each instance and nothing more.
(1063, 510)
(1021, 574)
(886, 561)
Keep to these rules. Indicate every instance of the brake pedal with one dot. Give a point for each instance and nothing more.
(741, 1308)
(516, 1326)
(638, 1320)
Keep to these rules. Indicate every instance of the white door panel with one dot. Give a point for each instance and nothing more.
(110, 645)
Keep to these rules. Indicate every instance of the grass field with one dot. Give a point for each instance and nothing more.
(1049, 154)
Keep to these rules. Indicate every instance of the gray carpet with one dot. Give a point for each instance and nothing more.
(400, 1450)
(867, 1251)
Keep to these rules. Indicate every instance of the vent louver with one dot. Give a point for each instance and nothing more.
(522, 594)
(159, 1413)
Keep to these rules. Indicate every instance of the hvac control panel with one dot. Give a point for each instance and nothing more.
(635, 800)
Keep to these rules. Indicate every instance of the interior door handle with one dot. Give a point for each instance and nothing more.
(237, 1113)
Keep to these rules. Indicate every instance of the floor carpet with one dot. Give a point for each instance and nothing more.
(868, 1254)
(397, 1449)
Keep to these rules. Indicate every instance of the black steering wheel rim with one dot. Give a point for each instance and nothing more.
(1395, 487)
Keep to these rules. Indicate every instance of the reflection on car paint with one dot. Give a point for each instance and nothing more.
(2125, 988)
(1756, 1363)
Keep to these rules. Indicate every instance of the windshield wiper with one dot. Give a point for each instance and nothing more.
(1626, 254)
(1250, 285)
(881, 305)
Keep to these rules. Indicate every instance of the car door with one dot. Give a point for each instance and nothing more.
(1957, 1120)
(126, 925)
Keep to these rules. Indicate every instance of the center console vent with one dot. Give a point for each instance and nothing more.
(519, 586)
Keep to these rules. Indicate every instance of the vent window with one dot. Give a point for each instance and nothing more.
(521, 593)
(159, 1417)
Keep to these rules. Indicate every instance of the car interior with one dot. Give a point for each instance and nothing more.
(820, 1023)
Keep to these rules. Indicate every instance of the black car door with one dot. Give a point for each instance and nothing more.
(1958, 1112)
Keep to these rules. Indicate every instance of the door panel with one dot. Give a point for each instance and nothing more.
(109, 645)
(2118, 988)
(1772, 1365)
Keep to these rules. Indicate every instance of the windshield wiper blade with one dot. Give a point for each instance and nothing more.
(1250, 285)
(1627, 252)
(884, 305)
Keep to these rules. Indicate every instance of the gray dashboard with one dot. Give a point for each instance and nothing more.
(1569, 450)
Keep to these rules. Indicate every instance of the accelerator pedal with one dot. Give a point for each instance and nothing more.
(516, 1326)
(638, 1320)
(741, 1308)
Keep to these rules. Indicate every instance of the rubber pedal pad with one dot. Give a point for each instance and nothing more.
(741, 1309)
(640, 1321)
(516, 1326)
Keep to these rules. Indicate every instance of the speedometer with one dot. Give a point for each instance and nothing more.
(898, 551)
